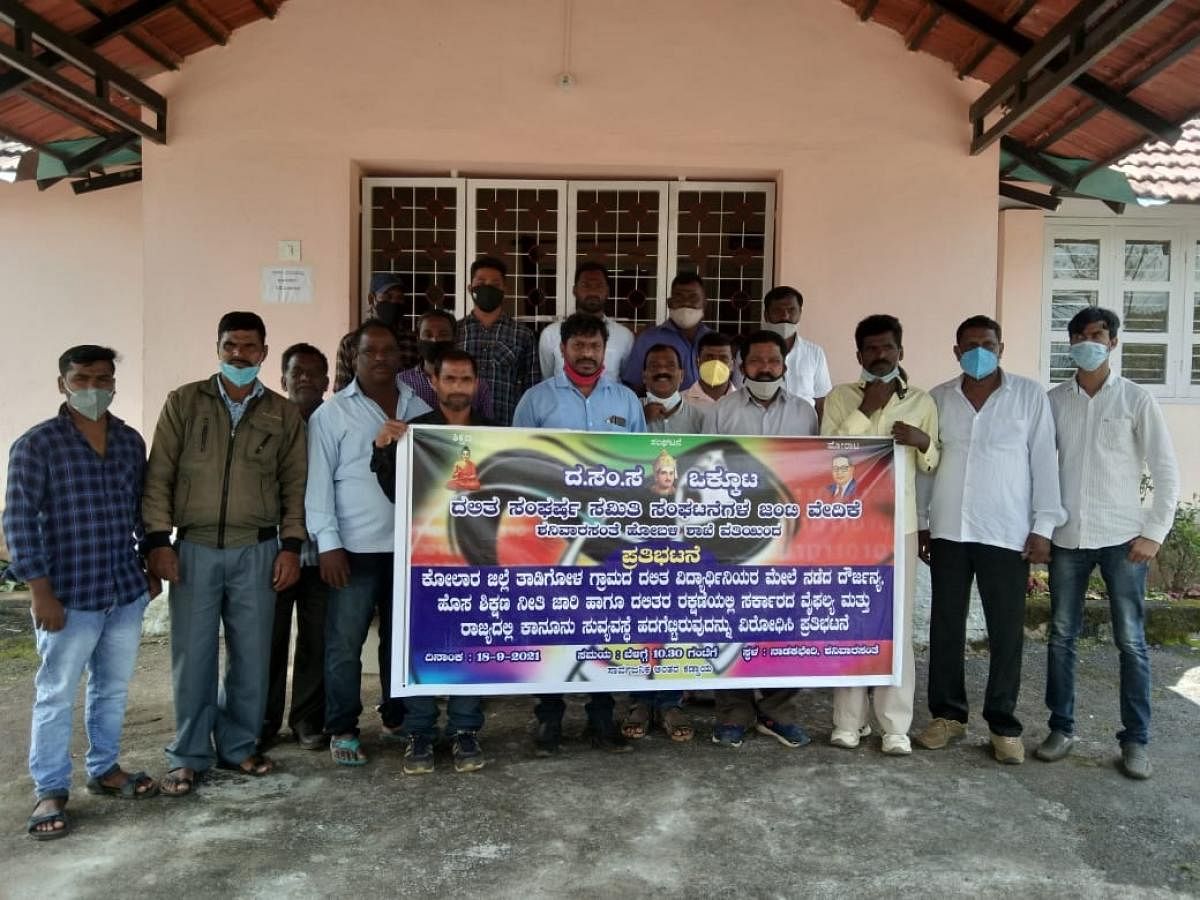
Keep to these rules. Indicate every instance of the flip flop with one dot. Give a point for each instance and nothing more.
(59, 815)
(351, 745)
(257, 761)
(171, 781)
(128, 790)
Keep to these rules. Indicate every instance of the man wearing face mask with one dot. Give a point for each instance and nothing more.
(986, 514)
(807, 370)
(682, 330)
(714, 370)
(1108, 429)
(435, 330)
(591, 292)
(73, 519)
(386, 303)
(666, 410)
(503, 348)
(881, 403)
(227, 470)
(580, 398)
(762, 406)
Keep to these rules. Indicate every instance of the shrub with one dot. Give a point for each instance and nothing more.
(1177, 568)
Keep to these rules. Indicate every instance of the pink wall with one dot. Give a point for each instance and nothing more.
(881, 208)
(1019, 289)
(70, 273)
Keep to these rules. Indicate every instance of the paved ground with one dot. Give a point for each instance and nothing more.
(668, 820)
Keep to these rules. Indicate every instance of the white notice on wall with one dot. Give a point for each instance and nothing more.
(287, 284)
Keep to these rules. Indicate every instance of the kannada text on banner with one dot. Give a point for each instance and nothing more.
(550, 561)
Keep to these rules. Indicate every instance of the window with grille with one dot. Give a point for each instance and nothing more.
(1151, 278)
(429, 230)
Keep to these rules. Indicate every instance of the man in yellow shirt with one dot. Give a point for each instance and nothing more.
(881, 404)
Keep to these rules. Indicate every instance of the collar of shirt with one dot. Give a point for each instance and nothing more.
(406, 395)
(1111, 381)
(237, 408)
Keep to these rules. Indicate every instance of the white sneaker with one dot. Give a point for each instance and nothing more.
(847, 740)
(896, 745)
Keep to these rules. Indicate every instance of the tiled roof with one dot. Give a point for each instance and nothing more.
(1167, 171)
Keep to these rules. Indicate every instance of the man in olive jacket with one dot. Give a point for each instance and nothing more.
(227, 470)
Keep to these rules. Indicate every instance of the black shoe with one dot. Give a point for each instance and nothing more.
(605, 735)
(310, 740)
(548, 740)
(468, 755)
(418, 758)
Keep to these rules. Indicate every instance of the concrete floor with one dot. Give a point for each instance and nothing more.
(668, 820)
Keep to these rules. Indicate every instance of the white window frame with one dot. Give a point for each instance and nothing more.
(1182, 286)
(565, 267)
(366, 214)
(666, 215)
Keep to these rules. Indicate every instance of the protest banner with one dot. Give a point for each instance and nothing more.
(535, 561)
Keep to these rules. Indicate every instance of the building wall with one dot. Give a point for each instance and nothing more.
(880, 206)
(70, 273)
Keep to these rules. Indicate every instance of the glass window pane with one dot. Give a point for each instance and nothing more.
(1147, 260)
(1064, 305)
(1196, 312)
(1147, 310)
(1077, 259)
(1144, 363)
(1061, 367)
(520, 226)
(1196, 364)
(619, 229)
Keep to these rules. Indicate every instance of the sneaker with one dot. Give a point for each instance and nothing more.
(548, 740)
(468, 755)
(786, 734)
(1135, 760)
(418, 756)
(1055, 746)
(729, 735)
(1008, 749)
(844, 738)
(896, 745)
(605, 735)
(940, 732)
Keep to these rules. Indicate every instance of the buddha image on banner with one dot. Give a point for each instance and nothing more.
(534, 561)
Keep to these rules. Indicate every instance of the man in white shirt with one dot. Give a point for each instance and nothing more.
(1108, 428)
(591, 290)
(987, 513)
(807, 371)
(667, 411)
(762, 406)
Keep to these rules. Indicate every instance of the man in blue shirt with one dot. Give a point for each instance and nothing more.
(353, 523)
(580, 398)
(682, 330)
(73, 520)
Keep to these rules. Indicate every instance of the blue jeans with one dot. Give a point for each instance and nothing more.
(106, 644)
(1126, 584)
(348, 615)
(462, 714)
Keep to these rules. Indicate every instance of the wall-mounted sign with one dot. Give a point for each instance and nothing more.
(287, 284)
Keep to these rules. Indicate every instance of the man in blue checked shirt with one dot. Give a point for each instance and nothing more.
(579, 398)
(73, 520)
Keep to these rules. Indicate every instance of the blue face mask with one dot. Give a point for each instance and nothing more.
(1088, 355)
(239, 376)
(979, 362)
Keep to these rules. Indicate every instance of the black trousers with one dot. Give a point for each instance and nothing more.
(307, 714)
(1003, 577)
(552, 707)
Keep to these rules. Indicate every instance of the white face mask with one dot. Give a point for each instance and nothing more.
(786, 330)
(667, 403)
(763, 390)
(891, 376)
(686, 316)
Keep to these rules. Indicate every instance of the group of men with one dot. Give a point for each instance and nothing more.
(253, 505)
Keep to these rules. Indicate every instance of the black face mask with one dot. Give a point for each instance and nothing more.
(391, 314)
(431, 350)
(488, 297)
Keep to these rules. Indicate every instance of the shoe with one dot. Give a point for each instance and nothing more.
(418, 757)
(1008, 749)
(605, 735)
(310, 740)
(728, 735)
(548, 740)
(468, 755)
(844, 738)
(786, 734)
(1135, 760)
(940, 732)
(896, 745)
(1055, 746)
